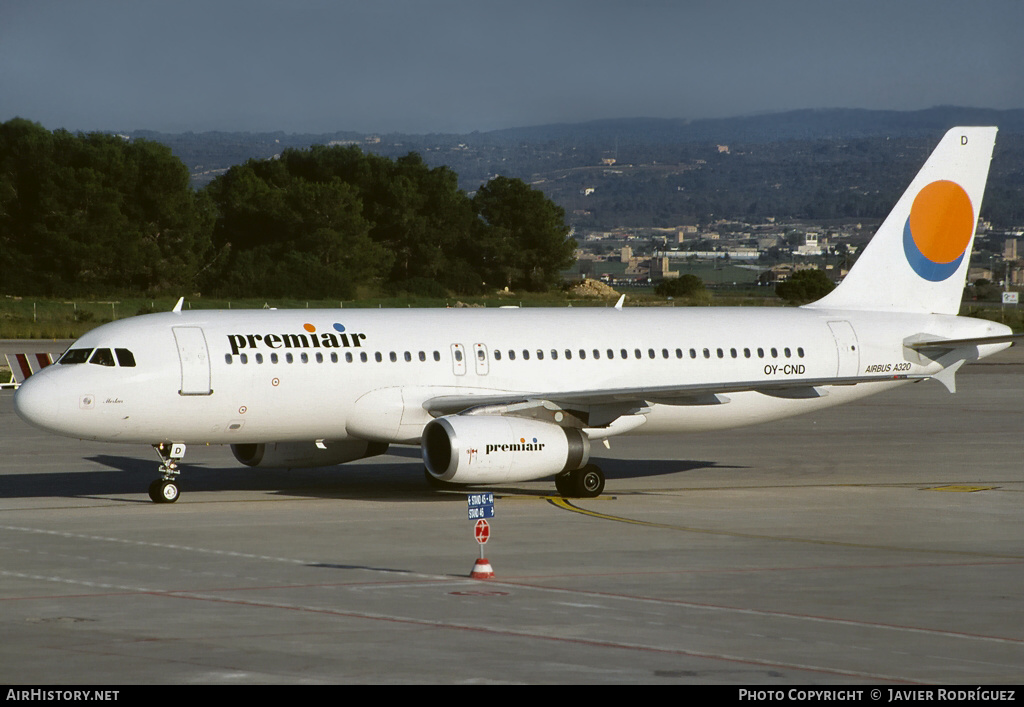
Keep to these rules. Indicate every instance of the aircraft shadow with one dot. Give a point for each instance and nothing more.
(377, 481)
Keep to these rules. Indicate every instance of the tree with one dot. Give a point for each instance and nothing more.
(804, 286)
(96, 213)
(285, 235)
(524, 240)
(687, 285)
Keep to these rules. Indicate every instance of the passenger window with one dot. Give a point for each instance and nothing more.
(102, 357)
(393, 356)
(379, 358)
(526, 355)
(732, 352)
(511, 355)
(125, 358)
(423, 356)
(540, 355)
(497, 355)
(75, 356)
(273, 358)
(408, 356)
(800, 351)
(259, 358)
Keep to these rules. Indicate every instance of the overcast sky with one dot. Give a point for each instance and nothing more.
(462, 65)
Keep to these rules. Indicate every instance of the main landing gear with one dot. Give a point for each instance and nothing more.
(587, 482)
(165, 489)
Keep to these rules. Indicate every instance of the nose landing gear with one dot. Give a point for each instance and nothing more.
(165, 489)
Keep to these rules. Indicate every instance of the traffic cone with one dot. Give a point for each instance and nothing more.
(482, 569)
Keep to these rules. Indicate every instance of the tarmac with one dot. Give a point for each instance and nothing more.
(875, 543)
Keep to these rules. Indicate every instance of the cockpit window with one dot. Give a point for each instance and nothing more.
(125, 358)
(75, 356)
(102, 357)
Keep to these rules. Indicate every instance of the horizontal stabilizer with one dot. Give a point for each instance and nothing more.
(957, 343)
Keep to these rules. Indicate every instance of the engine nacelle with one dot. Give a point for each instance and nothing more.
(300, 455)
(475, 449)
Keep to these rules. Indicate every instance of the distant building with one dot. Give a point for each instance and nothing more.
(811, 245)
(1010, 249)
(685, 232)
(660, 269)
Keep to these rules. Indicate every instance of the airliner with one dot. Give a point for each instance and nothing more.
(507, 395)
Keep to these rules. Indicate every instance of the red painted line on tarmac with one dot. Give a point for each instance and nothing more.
(557, 639)
(780, 614)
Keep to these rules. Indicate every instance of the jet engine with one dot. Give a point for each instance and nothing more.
(300, 455)
(473, 449)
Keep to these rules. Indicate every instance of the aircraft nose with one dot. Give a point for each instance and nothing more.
(37, 402)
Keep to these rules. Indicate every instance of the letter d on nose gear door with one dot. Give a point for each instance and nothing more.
(195, 360)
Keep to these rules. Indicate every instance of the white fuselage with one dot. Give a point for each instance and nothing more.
(237, 377)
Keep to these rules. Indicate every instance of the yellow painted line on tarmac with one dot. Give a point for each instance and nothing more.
(564, 504)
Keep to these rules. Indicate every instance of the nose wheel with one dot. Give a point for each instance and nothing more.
(165, 489)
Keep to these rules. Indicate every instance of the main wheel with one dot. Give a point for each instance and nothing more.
(589, 481)
(565, 485)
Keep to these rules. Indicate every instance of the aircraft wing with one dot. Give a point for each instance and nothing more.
(684, 394)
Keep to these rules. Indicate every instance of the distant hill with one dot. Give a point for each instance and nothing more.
(821, 124)
(835, 163)
(207, 154)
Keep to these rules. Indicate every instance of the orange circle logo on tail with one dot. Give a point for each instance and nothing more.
(938, 230)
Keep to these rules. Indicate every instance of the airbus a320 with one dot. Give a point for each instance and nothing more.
(500, 396)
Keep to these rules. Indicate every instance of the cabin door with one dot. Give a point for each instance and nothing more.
(846, 348)
(195, 360)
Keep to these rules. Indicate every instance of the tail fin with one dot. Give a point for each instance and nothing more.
(918, 259)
